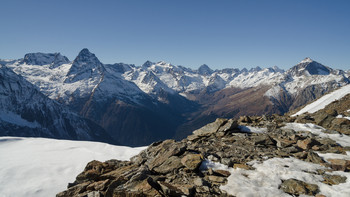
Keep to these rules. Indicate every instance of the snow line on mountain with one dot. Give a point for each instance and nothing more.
(324, 100)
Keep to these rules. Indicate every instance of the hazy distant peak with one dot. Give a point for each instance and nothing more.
(45, 59)
(147, 64)
(205, 70)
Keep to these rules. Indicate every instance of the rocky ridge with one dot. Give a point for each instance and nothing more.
(183, 168)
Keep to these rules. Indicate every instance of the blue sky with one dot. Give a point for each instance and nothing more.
(222, 34)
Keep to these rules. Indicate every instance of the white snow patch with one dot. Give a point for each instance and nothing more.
(341, 139)
(273, 92)
(250, 129)
(341, 116)
(325, 100)
(327, 156)
(43, 167)
(265, 180)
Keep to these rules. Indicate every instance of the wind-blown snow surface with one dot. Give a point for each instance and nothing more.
(325, 100)
(43, 167)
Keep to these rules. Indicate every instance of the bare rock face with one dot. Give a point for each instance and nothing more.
(333, 179)
(210, 128)
(340, 164)
(297, 187)
(192, 161)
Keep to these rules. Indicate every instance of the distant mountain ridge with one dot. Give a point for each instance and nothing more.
(140, 104)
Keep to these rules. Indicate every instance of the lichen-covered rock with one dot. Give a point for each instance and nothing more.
(333, 179)
(340, 164)
(314, 158)
(192, 161)
(342, 125)
(168, 165)
(297, 187)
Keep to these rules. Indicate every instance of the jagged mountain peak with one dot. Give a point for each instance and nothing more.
(244, 70)
(86, 64)
(309, 67)
(256, 69)
(56, 59)
(205, 70)
(147, 64)
(85, 56)
(277, 69)
(307, 60)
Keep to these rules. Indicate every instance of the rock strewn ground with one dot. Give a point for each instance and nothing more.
(170, 168)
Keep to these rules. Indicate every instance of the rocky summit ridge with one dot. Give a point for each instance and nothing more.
(187, 167)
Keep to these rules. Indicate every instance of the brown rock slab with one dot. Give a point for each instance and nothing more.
(297, 187)
(99, 185)
(223, 173)
(210, 128)
(169, 189)
(333, 179)
(314, 158)
(304, 144)
(244, 119)
(340, 164)
(243, 166)
(192, 161)
(169, 165)
(229, 125)
(216, 179)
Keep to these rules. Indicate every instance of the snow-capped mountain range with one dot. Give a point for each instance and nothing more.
(140, 104)
(25, 111)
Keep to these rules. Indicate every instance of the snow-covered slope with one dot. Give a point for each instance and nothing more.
(42, 167)
(325, 100)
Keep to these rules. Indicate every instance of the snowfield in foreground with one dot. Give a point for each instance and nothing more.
(44, 167)
(324, 100)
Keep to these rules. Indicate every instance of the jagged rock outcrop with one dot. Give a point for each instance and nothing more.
(178, 168)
